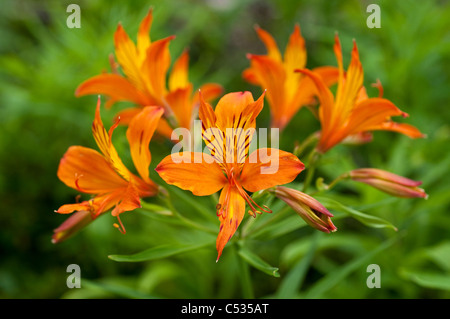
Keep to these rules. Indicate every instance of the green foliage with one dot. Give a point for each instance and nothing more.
(277, 255)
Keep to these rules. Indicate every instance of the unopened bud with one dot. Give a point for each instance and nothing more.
(308, 208)
(388, 182)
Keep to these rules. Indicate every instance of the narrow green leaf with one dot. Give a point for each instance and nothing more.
(158, 252)
(117, 289)
(427, 279)
(440, 254)
(333, 278)
(293, 281)
(156, 208)
(368, 220)
(257, 262)
(280, 228)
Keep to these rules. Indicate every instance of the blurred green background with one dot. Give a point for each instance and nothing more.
(42, 61)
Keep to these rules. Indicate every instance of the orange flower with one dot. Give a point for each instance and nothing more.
(287, 91)
(228, 132)
(352, 112)
(145, 66)
(105, 176)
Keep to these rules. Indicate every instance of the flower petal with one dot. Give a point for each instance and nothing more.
(155, 67)
(105, 145)
(371, 112)
(403, 128)
(268, 167)
(348, 89)
(139, 134)
(178, 78)
(295, 53)
(272, 49)
(196, 172)
(234, 205)
(181, 105)
(325, 96)
(128, 59)
(86, 170)
(294, 58)
(210, 91)
(271, 76)
(129, 201)
(114, 86)
(143, 38)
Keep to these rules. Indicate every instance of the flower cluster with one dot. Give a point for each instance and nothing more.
(165, 102)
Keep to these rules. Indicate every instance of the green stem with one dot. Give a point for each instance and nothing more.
(337, 180)
(313, 159)
(332, 184)
(269, 221)
(298, 150)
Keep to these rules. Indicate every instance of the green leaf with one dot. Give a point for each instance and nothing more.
(156, 208)
(427, 279)
(368, 220)
(293, 281)
(117, 289)
(280, 228)
(440, 255)
(158, 252)
(334, 277)
(257, 262)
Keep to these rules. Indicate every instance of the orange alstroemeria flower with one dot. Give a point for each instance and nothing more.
(145, 66)
(104, 176)
(228, 132)
(352, 113)
(287, 91)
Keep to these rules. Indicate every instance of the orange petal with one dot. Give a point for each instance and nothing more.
(97, 205)
(329, 74)
(202, 178)
(86, 170)
(371, 112)
(128, 59)
(164, 128)
(238, 109)
(139, 134)
(178, 78)
(143, 38)
(114, 86)
(125, 116)
(104, 142)
(325, 96)
(129, 201)
(348, 90)
(250, 76)
(272, 48)
(402, 128)
(210, 91)
(232, 206)
(295, 53)
(181, 105)
(206, 113)
(268, 167)
(155, 66)
(272, 77)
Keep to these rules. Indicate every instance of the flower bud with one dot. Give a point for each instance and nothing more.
(388, 182)
(72, 225)
(313, 212)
